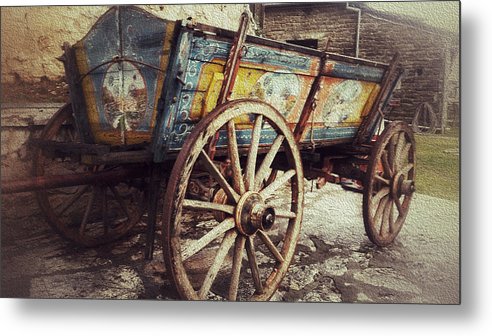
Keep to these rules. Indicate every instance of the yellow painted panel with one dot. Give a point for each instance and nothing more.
(343, 101)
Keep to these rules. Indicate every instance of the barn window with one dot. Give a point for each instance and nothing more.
(310, 43)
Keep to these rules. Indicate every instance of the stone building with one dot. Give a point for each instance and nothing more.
(430, 56)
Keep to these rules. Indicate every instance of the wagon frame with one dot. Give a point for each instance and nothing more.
(229, 163)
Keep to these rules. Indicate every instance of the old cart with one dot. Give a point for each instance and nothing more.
(231, 125)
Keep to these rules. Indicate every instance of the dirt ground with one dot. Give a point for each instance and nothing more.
(335, 261)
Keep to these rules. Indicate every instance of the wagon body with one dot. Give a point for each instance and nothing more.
(135, 78)
(231, 125)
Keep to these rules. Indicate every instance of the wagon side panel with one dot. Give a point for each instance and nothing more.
(273, 73)
(120, 69)
(346, 95)
(278, 77)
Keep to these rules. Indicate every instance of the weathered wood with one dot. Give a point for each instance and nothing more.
(185, 236)
(366, 127)
(68, 148)
(115, 158)
(253, 265)
(271, 246)
(234, 157)
(217, 263)
(61, 181)
(253, 154)
(206, 239)
(236, 267)
(389, 182)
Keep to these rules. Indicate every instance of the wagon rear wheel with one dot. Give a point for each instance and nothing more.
(389, 184)
(236, 241)
(88, 215)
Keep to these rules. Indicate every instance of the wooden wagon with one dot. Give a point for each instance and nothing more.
(229, 126)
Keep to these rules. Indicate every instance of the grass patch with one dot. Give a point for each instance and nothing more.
(438, 170)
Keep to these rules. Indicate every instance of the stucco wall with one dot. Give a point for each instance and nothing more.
(33, 86)
(31, 37)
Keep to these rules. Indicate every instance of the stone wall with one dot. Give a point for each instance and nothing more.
(322, 22)
(429, 56)
(423, 55)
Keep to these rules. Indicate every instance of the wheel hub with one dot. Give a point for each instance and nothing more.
(252, 214)
(401, 186)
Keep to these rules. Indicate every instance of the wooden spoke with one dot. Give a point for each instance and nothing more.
(271, 177)
(391, 151)
(403, 157)
(213, 234)
(380, 210)
(87, 212)
(271, 247)
(253, 265)
(217, 175)
(398, 205)
(284, 214)
(278, 183)
(382, 179)
(385, 218)
(406, 169)
(253, 153)
(399, 147)
(236, 267)
(120, 201)
(234, 156)
(381, 193)
(264, 169)
(224, 248)
(391, 219)
(201, 205)
(74, 199)
(386, 164)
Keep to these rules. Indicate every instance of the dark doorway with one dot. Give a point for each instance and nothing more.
(310, 43)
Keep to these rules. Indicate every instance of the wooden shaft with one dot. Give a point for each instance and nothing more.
(232, 65)
(230, 71)
(366, 126)
(62, 181)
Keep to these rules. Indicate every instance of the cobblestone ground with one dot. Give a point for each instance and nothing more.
(335, 262)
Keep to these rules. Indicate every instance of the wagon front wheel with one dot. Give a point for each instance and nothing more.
(230, 228)
(389, 183)
(90, 214)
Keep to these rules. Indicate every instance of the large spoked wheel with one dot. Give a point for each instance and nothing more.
(389, 184)
(236, 241)
(91, 214)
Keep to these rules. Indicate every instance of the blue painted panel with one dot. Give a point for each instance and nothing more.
(167, 132)
(357, 72)
(267, 137)
(206, 50)
(141, 40)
